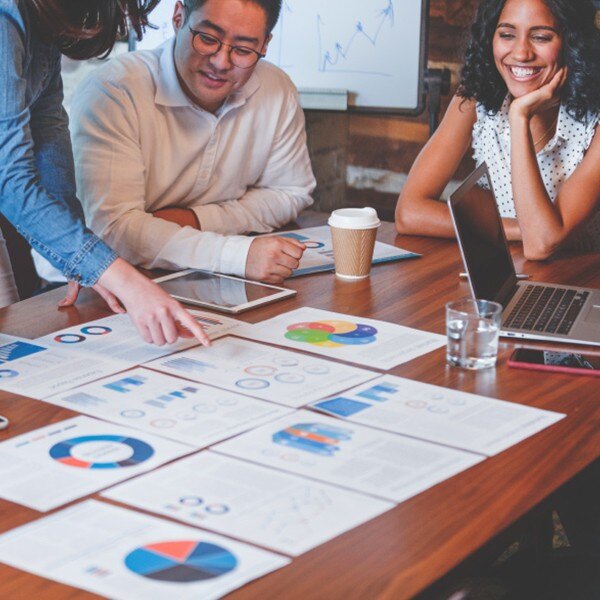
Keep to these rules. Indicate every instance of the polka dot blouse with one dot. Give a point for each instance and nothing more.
(557, 160)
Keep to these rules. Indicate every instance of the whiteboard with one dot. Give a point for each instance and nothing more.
(374, 49)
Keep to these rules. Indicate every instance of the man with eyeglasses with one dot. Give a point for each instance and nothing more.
(180, 149)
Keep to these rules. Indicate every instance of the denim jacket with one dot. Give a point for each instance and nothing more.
(37, 184)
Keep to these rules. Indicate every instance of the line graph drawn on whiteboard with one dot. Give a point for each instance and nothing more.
(345, 54)
(349, 51)
(375, 49)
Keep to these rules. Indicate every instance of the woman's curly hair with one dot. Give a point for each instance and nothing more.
(89, 28)
(481, 81)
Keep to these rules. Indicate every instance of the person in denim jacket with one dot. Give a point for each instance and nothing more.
(37, 186)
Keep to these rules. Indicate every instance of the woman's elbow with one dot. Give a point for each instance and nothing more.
(539, 250)
(404, 216)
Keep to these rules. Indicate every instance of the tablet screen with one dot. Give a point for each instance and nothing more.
(214, 289)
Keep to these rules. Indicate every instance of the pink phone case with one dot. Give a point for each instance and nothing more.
(555, 368)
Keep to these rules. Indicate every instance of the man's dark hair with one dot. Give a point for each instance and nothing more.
(88, 28)
(580, 94)
(272, 9)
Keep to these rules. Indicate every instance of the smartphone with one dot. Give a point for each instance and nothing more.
(550, 360)
(3, 422)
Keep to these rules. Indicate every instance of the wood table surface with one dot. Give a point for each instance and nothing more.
(407, 549)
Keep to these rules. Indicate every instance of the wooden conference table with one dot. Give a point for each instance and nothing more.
(406, 550)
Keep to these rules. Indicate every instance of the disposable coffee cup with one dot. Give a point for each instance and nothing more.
(353, 233)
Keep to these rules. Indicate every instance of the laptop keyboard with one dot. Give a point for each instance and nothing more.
(546, 309)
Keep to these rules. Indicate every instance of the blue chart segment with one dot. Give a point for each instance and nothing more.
(313, 437)
(181, 561)
(380, 392)
(140, 451)
(342, 407)
(126, 385)
(188, 365)
(16, 350)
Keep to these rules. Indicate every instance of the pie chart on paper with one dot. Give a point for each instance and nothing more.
(181, 561)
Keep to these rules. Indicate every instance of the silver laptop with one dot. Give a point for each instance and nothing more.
(538, 311)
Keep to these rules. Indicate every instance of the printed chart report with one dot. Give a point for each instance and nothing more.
(318, 255)
(438, 414)
(366, 460)
(191, 413)
(355, 339)
(56, 464)
(125, 555)
(281, 376)
(117, 337)
(283, 512)
(32, 369)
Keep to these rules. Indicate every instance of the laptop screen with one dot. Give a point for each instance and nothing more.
(481, 237)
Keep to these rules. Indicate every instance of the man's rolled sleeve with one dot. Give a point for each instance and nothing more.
(234, 255)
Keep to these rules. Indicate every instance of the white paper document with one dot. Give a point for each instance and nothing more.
(194, 414)
(117, 337)
(367, 460)
(125, 555)
(318, 255)
(284, 512)
(281, 376)
(439, 414)
(56, 464)
(356, 339)
(32, 369)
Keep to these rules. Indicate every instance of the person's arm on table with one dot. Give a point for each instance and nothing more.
(419, 211)
(546, 225)
(51, 219)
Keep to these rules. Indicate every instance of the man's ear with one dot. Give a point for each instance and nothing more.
(178, 16)
(266, 44)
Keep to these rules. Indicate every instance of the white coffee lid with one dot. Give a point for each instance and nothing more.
(354, 218)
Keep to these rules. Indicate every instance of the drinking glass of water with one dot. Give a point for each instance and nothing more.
(472, 327)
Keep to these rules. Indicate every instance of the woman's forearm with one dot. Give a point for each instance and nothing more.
(540, 222)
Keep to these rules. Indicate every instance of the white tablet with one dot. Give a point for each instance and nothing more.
(220, 292)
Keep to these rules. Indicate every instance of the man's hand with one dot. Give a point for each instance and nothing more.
(272, 259)
(181, 216)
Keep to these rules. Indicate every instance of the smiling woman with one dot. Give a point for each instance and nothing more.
(529, 104)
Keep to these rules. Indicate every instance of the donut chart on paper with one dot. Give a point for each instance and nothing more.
(96, 330)
(181, 561)
(8, 373)
(79, 451)
(332, 334)
(69, 338)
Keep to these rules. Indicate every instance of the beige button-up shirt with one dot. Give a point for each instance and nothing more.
(140, 145)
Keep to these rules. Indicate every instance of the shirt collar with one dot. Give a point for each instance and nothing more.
(170, 93)
(563, 125)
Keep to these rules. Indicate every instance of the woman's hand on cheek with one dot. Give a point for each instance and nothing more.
(539, 100)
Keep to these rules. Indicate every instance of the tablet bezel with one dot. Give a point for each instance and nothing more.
(234, 310)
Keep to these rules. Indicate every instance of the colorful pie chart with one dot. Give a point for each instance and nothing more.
(332, 333)
(181, 561)
(116, 451)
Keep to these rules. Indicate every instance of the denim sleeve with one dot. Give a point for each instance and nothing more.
(37, 192)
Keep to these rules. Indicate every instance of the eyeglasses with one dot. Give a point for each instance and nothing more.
(209, 45)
